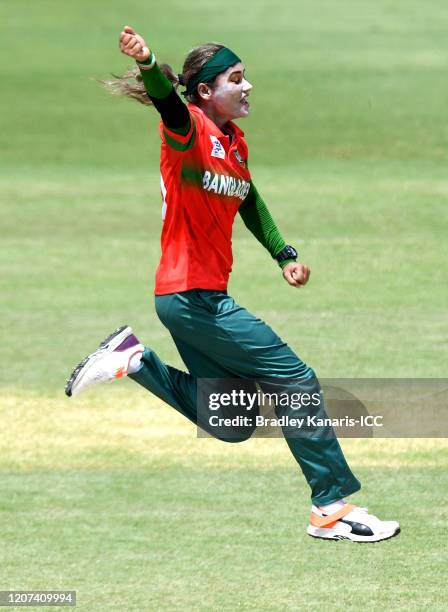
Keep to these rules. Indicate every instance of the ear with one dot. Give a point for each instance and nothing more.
(204, 91)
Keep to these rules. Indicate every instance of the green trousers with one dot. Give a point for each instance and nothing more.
(218, 339)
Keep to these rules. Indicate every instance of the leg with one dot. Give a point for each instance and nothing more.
(179, 389)
(218, 338)
(176, 388)
(244, 346)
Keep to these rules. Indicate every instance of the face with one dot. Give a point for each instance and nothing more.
(227, 97)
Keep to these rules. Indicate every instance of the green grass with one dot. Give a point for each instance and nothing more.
(114, 495)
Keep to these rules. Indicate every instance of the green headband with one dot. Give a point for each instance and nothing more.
(220, 62)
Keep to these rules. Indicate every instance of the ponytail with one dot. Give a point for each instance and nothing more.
(130, 84)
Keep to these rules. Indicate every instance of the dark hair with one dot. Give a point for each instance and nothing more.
(130, 84)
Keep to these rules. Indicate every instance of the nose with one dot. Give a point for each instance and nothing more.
(246, 86)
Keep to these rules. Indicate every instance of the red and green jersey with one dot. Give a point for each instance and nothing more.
(204, 180)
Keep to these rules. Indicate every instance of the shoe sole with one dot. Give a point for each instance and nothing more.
(112, 341)
(358, 540)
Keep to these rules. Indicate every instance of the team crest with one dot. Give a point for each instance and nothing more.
(239, 158)
(217, 149)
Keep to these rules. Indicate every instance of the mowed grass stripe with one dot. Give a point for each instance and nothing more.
(122, 424)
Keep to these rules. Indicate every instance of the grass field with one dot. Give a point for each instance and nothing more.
(113, 495)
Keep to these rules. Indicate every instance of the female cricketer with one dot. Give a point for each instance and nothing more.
(205, 182)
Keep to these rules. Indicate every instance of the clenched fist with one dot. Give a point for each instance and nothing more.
(296, 274)
(133, 44)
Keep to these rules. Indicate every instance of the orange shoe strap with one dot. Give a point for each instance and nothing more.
(322, 521)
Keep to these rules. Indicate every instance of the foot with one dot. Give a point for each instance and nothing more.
(350, 523)
(110, 361)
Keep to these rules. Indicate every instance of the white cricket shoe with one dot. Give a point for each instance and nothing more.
(109, 362)
(350, 523)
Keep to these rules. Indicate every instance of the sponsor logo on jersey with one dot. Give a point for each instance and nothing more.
(221, 184)
(217, 148)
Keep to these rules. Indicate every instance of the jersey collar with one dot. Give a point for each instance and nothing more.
(237, 131)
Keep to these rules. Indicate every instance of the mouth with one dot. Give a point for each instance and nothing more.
(245, 102)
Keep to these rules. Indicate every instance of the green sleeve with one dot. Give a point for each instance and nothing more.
(258, 220)
(159, 87)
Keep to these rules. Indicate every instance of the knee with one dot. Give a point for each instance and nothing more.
(294, 367)
(310, 373)
(237, 437)
(232, 436)
(304, 372)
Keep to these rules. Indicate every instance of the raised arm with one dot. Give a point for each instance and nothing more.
(173, 111)
(259, 221)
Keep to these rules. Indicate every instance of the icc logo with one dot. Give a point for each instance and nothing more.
(217, 149)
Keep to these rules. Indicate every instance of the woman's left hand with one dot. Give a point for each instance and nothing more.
(296, 274)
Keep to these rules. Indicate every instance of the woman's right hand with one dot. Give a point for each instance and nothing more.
(134, 45)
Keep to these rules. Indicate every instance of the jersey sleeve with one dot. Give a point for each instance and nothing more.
(259, 221)
(178, 141)
(178, 126)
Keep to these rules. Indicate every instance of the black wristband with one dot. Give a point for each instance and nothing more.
(288, 252)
